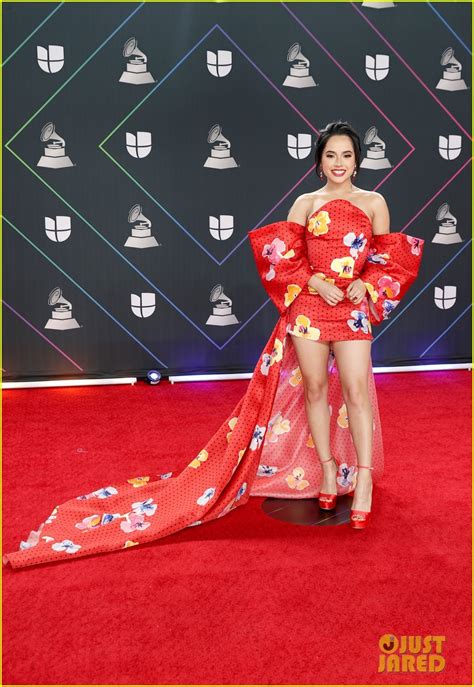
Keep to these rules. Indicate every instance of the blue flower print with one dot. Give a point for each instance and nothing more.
(360, 321)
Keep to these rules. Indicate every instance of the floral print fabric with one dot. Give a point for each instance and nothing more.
(263, 448)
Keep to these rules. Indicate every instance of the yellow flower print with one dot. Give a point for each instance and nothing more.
(372, 292)
(201, 457)
(277, 426)
(138, 481)
(241, 454)
(297, 377)
(321, 275)
(343, 266)
(292, 290)
(318, 224)
(310, 441)
(302, 328)
(296, 481)
(231, 424)
(129, 543)
(342, 418)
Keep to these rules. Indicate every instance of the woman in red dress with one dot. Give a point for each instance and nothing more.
(332, 270)
(341, 220)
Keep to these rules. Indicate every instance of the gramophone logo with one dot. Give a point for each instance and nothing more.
(411, 654)
(54, 155)
(141, 236)
(139, 144)
(143, 305)
(136, 71)
(447, 227)
(451, 79)
(450, 147)
(220, 157)
(61, 316)
(58, 229)
(50, 59)
(445, 296)
(299, 76)
(219, 64)
(221, 228)
(377, 68)
(299, 146)
(375, 158)
(378, 5)
(222, 311)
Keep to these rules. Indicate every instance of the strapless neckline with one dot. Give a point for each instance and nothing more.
(338, 200)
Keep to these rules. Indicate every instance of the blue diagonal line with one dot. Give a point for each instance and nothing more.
(446, 330)
(99, 305)
(450, 28)
(150, 93)
(32, 33)
(130, 264)
(393, 319)
(91, 56)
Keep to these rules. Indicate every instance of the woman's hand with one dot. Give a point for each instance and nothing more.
(355, 292)
(328, 292)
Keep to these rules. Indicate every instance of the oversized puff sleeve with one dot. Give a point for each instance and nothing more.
(391, 267)
(280, 254)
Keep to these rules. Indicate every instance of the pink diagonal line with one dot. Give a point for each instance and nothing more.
(412, 71)
(441, 189)
(42, 335)
(346, 73)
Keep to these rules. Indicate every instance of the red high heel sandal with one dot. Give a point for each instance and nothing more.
(360, 518)
(327, 501)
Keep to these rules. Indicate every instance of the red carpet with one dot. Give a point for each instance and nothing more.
(244, 599)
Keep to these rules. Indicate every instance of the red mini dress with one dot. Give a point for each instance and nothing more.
(338, 237)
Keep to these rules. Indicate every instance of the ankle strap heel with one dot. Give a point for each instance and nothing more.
(328, 501)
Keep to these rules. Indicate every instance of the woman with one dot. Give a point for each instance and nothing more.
(337, 159)
(316, 268)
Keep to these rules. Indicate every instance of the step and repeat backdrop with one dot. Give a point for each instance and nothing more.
(143, 141)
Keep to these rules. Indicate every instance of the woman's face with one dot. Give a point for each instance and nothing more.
(338, 158)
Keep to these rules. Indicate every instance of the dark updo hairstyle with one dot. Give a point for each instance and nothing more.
(340, 128)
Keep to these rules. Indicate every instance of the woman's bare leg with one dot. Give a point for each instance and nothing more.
(313, 362)
(353, 360)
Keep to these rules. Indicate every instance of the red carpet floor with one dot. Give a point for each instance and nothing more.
(244, 599)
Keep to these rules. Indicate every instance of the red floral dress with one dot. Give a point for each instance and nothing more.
(340, 249)
(264, 447)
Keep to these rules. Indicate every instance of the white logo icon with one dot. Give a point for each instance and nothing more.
(55, 150)
(450, 147)
(58, 229)
(139, 144)
(221, 228)
(447, 229)
(299, 146)
(299, 76)
(378, 5)
(377, 68)
(445, 297)
(220, 157)
(143, 305)
(141, 231)
(375, 158)
(221, 312)
(61, 317)
(50, 59)
(451, 79)
(221, 64)
(136, 71)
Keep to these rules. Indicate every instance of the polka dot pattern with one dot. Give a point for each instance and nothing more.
(264, 447)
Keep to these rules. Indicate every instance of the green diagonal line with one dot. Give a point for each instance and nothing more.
(81, 288)
(111, 245)
(32, 33)
(80, 68)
